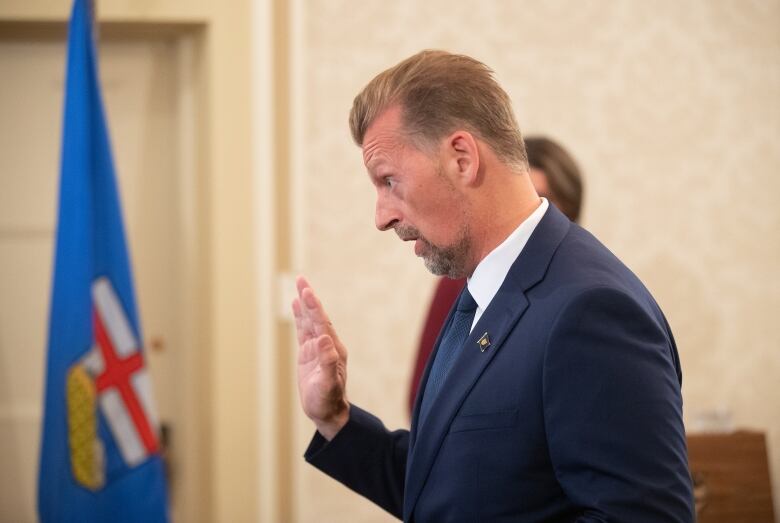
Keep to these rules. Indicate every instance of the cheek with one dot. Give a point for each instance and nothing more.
(444, 222)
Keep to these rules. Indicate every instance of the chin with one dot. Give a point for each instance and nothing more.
(442, 268)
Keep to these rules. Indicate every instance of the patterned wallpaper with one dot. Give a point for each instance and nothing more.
(673, 111)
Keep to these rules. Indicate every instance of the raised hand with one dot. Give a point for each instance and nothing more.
(322, 364)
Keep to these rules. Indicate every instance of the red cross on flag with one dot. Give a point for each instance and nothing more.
(123, 385)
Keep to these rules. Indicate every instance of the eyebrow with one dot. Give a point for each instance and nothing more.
(375, 176)
(375, 163)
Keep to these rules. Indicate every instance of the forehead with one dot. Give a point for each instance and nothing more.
(383, 137)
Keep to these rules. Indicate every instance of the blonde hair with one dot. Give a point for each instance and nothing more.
(440, 92)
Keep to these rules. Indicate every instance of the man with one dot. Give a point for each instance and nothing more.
(553, 393)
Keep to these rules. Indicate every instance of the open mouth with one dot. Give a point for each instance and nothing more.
(409, 234)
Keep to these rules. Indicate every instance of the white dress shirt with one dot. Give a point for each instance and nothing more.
(492, 270)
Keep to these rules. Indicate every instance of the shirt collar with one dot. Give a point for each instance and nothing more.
(492, 270)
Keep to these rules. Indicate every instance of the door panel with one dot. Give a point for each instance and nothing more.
(141, 86)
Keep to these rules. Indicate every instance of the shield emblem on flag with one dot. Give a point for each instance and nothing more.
(111, 381)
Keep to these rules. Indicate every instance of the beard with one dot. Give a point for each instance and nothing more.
(449, 260)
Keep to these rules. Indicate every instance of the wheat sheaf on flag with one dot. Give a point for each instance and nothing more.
(111, 376)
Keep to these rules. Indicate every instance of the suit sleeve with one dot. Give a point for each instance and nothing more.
(613, 411)
(365, 457)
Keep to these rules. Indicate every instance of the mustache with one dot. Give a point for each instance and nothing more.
(407, 232)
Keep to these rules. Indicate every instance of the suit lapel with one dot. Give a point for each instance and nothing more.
(502, 314)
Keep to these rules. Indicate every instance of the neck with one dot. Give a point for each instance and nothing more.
(499, 210)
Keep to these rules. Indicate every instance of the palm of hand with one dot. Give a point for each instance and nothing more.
(322, 377)
(322, 360)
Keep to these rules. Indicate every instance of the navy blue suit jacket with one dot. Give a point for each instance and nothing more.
(572, 414)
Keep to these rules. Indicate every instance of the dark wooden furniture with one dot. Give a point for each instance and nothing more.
(731, 477)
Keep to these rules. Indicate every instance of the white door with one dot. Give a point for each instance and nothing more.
(144, 86)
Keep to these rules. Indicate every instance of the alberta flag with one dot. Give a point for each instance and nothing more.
(99, 457)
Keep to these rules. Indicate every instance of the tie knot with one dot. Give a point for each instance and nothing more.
(466, 302)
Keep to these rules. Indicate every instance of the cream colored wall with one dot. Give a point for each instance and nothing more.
(226, 229)
(672, 109)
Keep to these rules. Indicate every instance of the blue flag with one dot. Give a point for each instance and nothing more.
(99, 457)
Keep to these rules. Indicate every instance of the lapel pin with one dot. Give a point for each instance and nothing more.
(484, 342)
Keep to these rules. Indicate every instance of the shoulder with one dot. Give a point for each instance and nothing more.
(584, 271)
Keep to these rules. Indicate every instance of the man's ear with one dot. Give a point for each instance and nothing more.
(461, 157)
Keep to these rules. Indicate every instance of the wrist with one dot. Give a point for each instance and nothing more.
(328, 428)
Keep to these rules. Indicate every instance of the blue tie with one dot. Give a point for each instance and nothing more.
(450, 345)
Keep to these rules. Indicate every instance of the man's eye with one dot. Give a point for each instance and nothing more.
(389, 182)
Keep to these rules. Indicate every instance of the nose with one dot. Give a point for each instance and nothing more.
(386, 215)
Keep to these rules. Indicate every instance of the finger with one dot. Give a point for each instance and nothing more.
(296, 309)
(303, 324)
(319, 350)
(327, 354)
(316, 319)
(306, 295)
(301, 283)
(314, 310)
(311, 308)
(299, 322)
